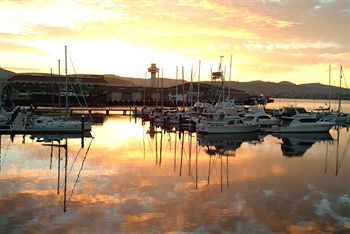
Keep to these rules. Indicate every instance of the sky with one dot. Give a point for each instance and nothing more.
(269, 40)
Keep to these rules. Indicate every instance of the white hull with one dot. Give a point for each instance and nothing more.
(269, 122)
(50, 125)
(216, 127)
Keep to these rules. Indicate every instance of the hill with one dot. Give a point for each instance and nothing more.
(290, 90)
(283, 89)
(5, 74)
(129, 81)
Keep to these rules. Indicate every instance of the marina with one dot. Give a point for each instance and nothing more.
(173, 116)
(131, 176)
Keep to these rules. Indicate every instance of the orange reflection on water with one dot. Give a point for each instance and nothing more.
(139, 184)
(117, 133)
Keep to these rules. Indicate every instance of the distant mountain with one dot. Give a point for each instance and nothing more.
(283, 89)
(118, 80)
(5, 74)
(290, 90)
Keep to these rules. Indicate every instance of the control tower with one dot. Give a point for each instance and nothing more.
(153, 70)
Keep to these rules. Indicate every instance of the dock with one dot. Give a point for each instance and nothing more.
(107, 110)
(18, 125)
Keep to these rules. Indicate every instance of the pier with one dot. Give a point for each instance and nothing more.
(121, 110)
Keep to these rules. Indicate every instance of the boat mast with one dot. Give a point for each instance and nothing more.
(339, 95)
(183, 88)
(222, 78)
(199, 75)
(0, 96)
(329, 88)
(191, 87)
(144, 90)
(59, 84)
(157, 91)
(229, 84)
(66, 72)
(176, 85)
(162, 91)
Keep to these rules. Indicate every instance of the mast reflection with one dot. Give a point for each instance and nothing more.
(220, 145)
(224, 145)
(60, 141)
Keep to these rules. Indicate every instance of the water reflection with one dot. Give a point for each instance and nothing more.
(296, 144)
(59, 142)
(137, 179)
(227, 144)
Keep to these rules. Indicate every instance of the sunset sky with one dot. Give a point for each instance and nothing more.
(270, 40)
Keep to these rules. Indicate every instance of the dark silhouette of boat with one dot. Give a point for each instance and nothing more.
(224, 143)
(296, 144)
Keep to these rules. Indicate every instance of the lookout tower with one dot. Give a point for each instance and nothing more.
(153, 70)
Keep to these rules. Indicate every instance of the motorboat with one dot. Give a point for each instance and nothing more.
(225, 122)
(259, 116)
(337, 117)
(297, 119)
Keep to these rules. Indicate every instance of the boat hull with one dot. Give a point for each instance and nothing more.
(60, 126)
(225, 128)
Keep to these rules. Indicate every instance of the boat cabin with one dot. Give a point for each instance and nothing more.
(291, 110)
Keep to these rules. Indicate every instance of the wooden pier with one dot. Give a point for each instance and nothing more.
(121, 110)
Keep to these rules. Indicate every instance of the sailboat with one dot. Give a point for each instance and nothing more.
(60, 124)
(338, 116)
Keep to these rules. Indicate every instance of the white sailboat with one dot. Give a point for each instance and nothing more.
(60, 124)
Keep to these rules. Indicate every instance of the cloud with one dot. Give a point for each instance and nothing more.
(18, 47)
(312, 32)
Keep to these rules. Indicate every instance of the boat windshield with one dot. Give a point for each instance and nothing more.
(286, 122)
(308, 120)
(288, 112)
(249, 118)
(264, 117)
(301, 110)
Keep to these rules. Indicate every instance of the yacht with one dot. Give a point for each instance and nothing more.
(297, 119)
(258, 115)
(225, 122)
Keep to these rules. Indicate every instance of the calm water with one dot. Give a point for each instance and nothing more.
(132, 180)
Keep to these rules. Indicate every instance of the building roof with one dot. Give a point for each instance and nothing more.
(43, 77)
